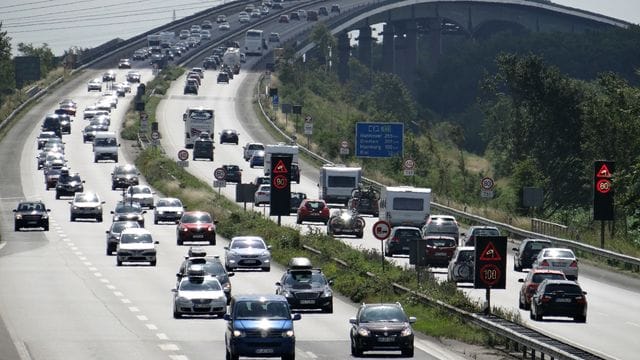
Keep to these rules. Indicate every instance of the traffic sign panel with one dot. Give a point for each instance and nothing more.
(155, 135)
(409, 164)
(183, 155)
(487, 183)
(219, 183)
(491, 262)
(344, 144)
(182, 163)
(280, 168)
(381, 230)
(280, 181)
(219, 173)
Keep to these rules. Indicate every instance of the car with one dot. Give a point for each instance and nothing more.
(277, 6)
(229, 136)
(123, 176)
(136, 245)
(233, 173)
(312, 15)
(461, 266)
(191, 87)
(212, 266)
(306, 287)
(31, 214)
(51, 178)
(313, 210)
(65, 121)
(120, 89)
(48, 158)
(561, 259)
(206, 24)
(134, 76)
(345, 222)
(89, 132)
(259, 325)
(525, 254)
(274, 37)
(168, 209)
(364, 201)
(335, 8)
(192, 75)
(221, 18)
(249, 252)
(68, 184)
(265, 180)
(296, 197)
(264, 11)
(139, 54)
(255, 13)
(184, 34)
(440, 250)
(44, 136)
(295, 172)
(559, 298)
(226, 26)
(399, 240)
(441, 225)
(283, 19)
(129, 211)
(294, 16)
(244, 18)
(114, 231)
(250, 148)
(257, 159)
(124, 64)
(262, 195)
(198, 294)
(109, 75)
(196, 226)
(95, 85)
(86, 205)
(375, 322)
(141, 194)
(69, 106)
(322, 11)
(531, 282)
(473, 231)
(203, 147)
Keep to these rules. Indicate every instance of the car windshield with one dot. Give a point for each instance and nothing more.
(69, 178)
(87, 198)
(442, 228)
(31, 207)
(140, 190)
(128, 207)
(200, 284)
(565, 288)
(558, 253)
(118, 226)
(466, 256)
(248, 243)
(442, 242)
(106, 142)
(169, 203)
(196, 218)
(382, 313)
(407, 234)
(136, 238)
(486, 232)
(210, 267)
(260, 309)
(315, 205)
(256, 147)
(305, 279)
(537, 245)
(537, 278)
(126, 171)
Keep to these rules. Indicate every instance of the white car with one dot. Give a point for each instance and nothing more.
(198, 294)
(168, 209)
(95, 84)
(141, 194)
(560, 259)
(205, 34)
(86, 205)
(247, 252)
(250, 148)
(136, 245)
(262, 195)
(224, 26)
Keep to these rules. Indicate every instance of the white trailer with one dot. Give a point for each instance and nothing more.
(231, 58)
(280, 148)
(197, 120)
(337, 182)
(405, 205)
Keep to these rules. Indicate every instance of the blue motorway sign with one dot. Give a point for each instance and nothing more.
(379, 140)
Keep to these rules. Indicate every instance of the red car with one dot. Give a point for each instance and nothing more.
(440, 250)
(531, 282)
(313, 210)
(196, 226)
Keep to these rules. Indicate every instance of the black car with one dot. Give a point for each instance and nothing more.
(89, 132)
(559, 298)
(295, 173)
(335, 8)
(211, 265)
(525, 254)
(400, 239)
(296, 199)
(345, 222)
(129, 211)
(113, 234)
(229, 136)
(234, 173)
(305, 287)
(124, 176)
(69, 184)
(294, 16)
(51, 178)
(381, 327)
(223, 77)
(65, 121)
(203, 147)
(191, 87)
(44, 136)
(51, 122)
(323, 11)
(210, 63)
(31, 214)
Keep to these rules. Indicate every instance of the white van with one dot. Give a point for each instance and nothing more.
(337, 183)
(105, 146)
(405, 205)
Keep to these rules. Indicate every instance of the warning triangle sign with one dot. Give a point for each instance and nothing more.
(280, 168)
(490, 253)
(603, 172)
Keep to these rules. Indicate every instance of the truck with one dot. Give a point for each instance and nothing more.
(162, 39)
(336, 183)
(405, 205)
(280, 148)
(231, 58)
(197, 120)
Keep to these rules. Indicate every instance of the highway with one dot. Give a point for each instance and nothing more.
(64, 299)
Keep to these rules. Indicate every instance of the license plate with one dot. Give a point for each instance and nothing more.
(306, 302)
(264, 351)
(385, 339)
(198, 236)
(33, 222)
(405, 248)
(562, 300)
(250, 261)
(200, 306)
(441, 254)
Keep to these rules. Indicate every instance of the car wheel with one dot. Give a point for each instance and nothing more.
(291, 356)
(16, 227)
(180, 242)
(113, 187)
(231, 356)
(516, 268)
(407, 352)
(95, 159)
(153, 263)
(298, 221)
(580, 319)
(57, 195)
(99, 218)
(360, 235)
(520, 303)
(328, 309)
(355, 350)
(155, 221)
(46, 227)
(108, 252)
(387, 253)
(266, 269)
(73, 218)
(118, 263)
(176, 315)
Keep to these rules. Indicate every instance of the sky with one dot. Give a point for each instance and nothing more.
(628, 10)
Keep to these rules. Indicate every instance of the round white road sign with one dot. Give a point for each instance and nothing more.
(381, 230)
(487, 183)
(183, 155)
(409, 164)
(219, 173)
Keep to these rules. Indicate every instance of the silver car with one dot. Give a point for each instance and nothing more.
(247, 252)
(560, 259)
(86, 205)
(461, 266)
(168, 209)
(113, 234)
(199, 294)
(136, 245)
(141, 194)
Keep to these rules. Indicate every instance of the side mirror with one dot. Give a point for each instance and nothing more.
(215, 221)
(83, 181)
(514, 249)
(296, 316)
(144, 211)
(48, 210)
(103, 202)
(157, 242)
(584, 293)
(268, 247)
(230, 274)
(521, 280)
(278, 283)
(412, 319)
(330, 282)
(226, 248)
(174, 290)
(112, 212)
(227, 317)
(70, 202)
(106, 231)
(352, 321)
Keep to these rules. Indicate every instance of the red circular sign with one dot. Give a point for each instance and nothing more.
(280, 181)
(603, 186)
(490, 274)
(381, 230)
(183, 155)
(220, 173)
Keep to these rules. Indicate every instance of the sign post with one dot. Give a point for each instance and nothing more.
(381, 231)
(308, 128)
(280, 194)
(183, 156)
(344, 147)
(603, 194)
(490, 265)
(409, 167)
(379, 140)
(219, 174)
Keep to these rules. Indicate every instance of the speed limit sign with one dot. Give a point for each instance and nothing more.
(487, 183)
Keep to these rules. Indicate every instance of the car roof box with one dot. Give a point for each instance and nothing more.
(197, 252)
(300, 263)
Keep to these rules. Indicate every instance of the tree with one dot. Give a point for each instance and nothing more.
(390, 100)
(325, 43)
(48, 61)
(7, 79)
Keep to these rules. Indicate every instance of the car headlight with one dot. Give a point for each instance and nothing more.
(183, 300)
(327, 293)
(227, 287)
(266, 253)
(288, 333)
(160, 212)
(75, 207)
(45, 216)
(406, 331)
(18, 217)
(238, 333)
(287, 293)
(363, 331)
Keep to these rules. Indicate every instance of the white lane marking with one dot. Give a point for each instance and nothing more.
(66, 240)
(632, 323)
(169, 347)
(118, 294)
(93, 268)
(111, 287)
(83, 259)
(133, 309)
(178, 357)
(142, 318)
(151, 327)
(3, 244)
(97, 274)
(87, 263)
(106, 281)
(311, 355)
(162, 336)
(125, 301)
(78, 252)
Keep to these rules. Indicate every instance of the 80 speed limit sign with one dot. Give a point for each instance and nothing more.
(487, 183)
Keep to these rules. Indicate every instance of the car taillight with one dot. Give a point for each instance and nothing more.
(574, 264)
(211, 228)
(395, 239)
(531, 288)
(581, 300)
(544, 263)
(546, 299)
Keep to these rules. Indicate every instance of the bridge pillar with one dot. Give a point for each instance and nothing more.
(365, 43)
(434, 41)
(388, 48)
(406, 53)
(344, 51)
